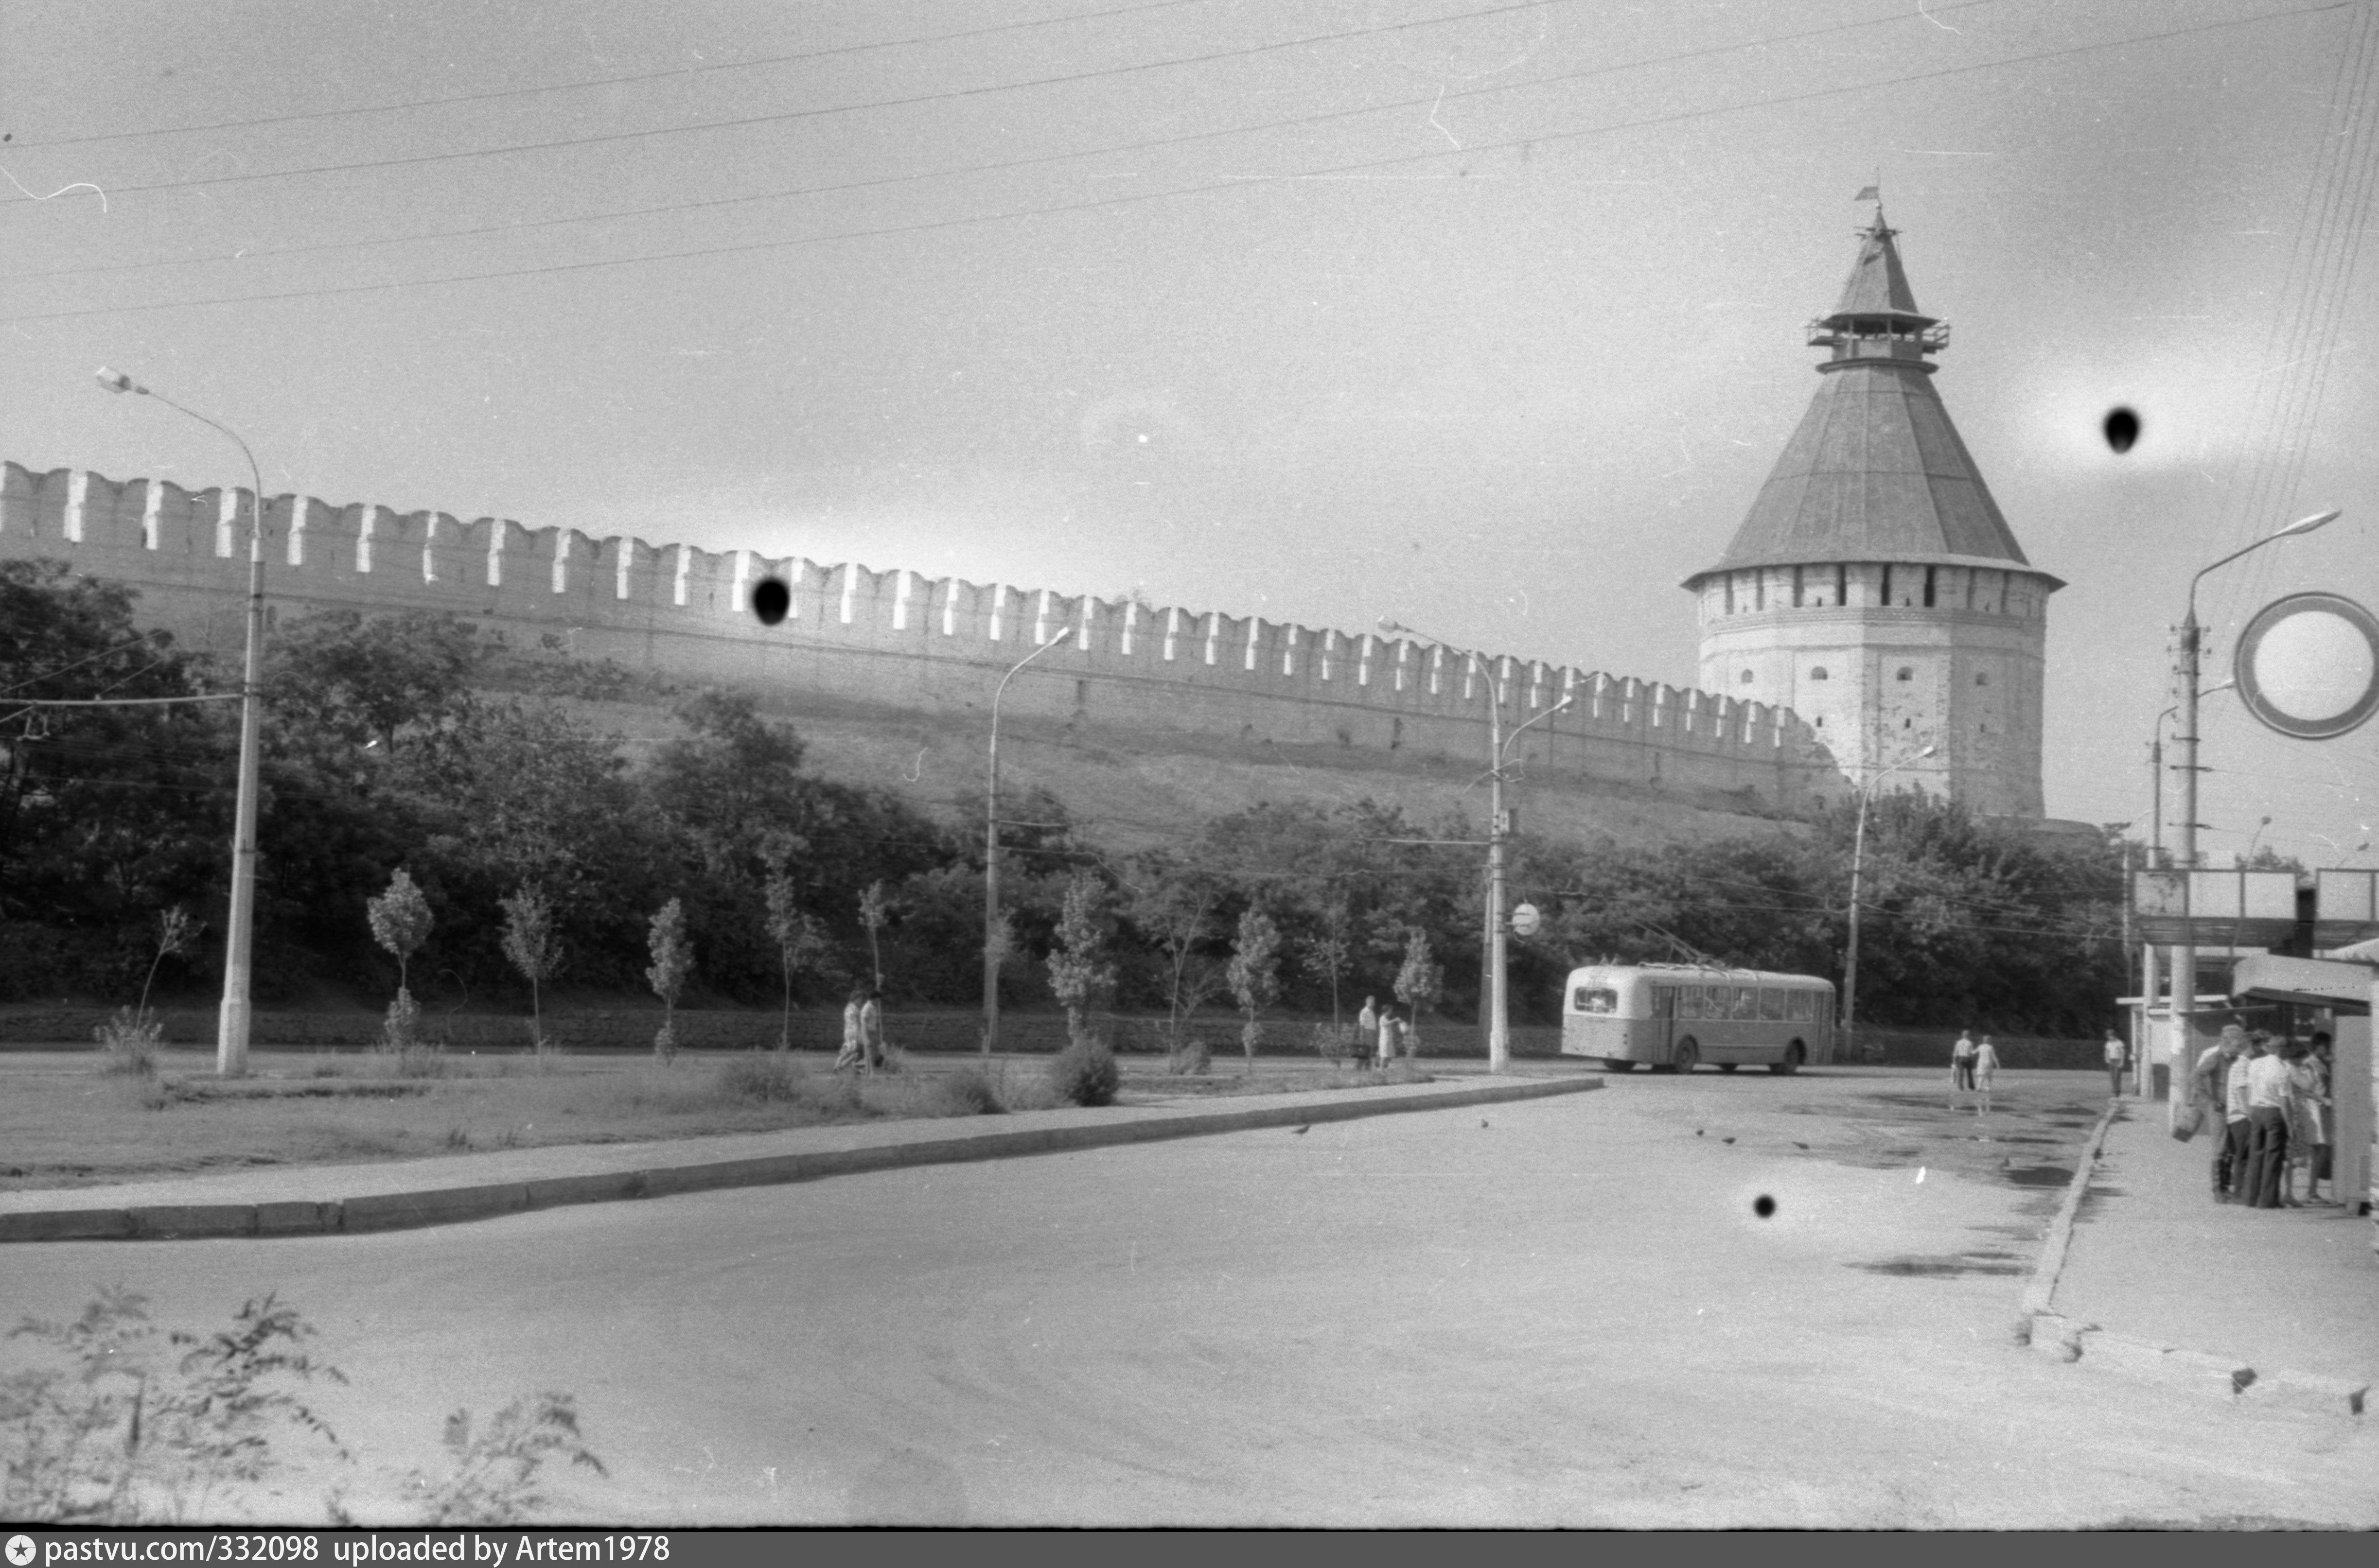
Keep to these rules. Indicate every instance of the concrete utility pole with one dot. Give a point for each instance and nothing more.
(2184, 956)
(1859, 854)
(991, 953)
(1496, 947)
(239, 935)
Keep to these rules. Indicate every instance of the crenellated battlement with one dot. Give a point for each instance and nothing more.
(894, 638)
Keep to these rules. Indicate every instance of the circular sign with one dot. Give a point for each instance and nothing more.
(2308, 666)
(1525, 920)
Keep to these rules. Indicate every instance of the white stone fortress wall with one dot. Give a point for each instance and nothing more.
(896, 640)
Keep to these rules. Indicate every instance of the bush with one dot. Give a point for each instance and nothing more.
(763, 1080)
(1085, 1074)
(1189, 1058)
(665, 1043)
(131, 1040)
(403, 1026)
(966, 1093)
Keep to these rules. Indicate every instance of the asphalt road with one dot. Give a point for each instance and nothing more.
(1574, 1311)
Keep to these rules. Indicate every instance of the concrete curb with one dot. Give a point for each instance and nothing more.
(2229, 1378)
(451, 1205)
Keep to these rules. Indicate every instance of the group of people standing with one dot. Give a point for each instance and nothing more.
(2269, 1102)
(1974, 1064)
(1380, 1030)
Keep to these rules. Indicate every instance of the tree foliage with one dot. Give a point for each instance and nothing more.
(388, 751)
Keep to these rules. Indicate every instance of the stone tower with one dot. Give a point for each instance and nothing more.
(1875, 589)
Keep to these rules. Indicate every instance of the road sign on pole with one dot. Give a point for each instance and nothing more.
(1526, 920)
(2308, 666)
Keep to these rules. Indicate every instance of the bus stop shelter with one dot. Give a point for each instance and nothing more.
(2341, 985)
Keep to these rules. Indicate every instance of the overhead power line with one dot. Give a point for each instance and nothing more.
(1424, 101)
(675, 73)
(786, 117)
(1133, 198)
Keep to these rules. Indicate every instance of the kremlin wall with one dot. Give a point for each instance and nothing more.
(893, 641)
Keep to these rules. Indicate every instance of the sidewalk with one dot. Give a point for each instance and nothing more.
(2156, 1265)
(317, 1199)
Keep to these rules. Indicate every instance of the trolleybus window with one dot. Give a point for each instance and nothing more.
(1597, 999)
(1745, 1002)
(1798, 1004)
(1771, 1003)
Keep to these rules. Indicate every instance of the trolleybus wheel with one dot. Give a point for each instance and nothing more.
(1793, 1057)
(1728, 1067)
(1689, 1055)
(1617, 1064)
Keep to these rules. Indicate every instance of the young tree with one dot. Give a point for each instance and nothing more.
(800, 940)
(874, 916)
(1329, 953)
(673, 961)
(176, 934)
(1418, 983)
(1254, 974)
(1174, 906)
(1079, 972)
(530, 943)
(399, 922)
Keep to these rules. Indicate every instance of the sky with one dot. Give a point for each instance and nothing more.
(1486, 317)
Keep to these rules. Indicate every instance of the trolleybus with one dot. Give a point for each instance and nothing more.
(1676, 1016)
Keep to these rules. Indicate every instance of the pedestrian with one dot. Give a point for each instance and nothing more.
(2268, 1095)
(853, 1053)
(871, 1027)
(2118, 1056)
(1367, 1022)
(1389, 1030)
(2209, 1084)
(1962, 1065)
(2308, 1123)
(1986, 1065)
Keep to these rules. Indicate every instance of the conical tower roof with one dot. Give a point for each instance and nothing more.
(1876, 471)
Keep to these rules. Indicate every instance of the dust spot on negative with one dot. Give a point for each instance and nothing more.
(2122, 428)
(1764, 1206)
(770, 599)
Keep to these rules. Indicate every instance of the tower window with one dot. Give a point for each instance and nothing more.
(1983, 678)
(1745, 678)
(1818, 673)
(1796, 587)
(1928, 587)
(1906, 673)
(1842, 584)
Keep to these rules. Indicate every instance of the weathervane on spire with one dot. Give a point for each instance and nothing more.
(1875, 193)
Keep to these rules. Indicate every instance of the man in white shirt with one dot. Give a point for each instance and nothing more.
(2268, 1088)
(2117, 1055)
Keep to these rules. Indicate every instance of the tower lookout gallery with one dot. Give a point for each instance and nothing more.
(1875, 589)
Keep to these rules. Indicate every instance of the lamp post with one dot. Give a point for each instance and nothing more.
(1499, 1020)
(991, 946)
(2184, 957)
(1858, 856)
(239, 938)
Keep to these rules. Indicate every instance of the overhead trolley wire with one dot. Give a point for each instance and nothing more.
(1235, 183)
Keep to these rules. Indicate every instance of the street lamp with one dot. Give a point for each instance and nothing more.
(2184, 957)
(991, 953)
(1499, 1020)
(1858, 856)
(239, 941)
